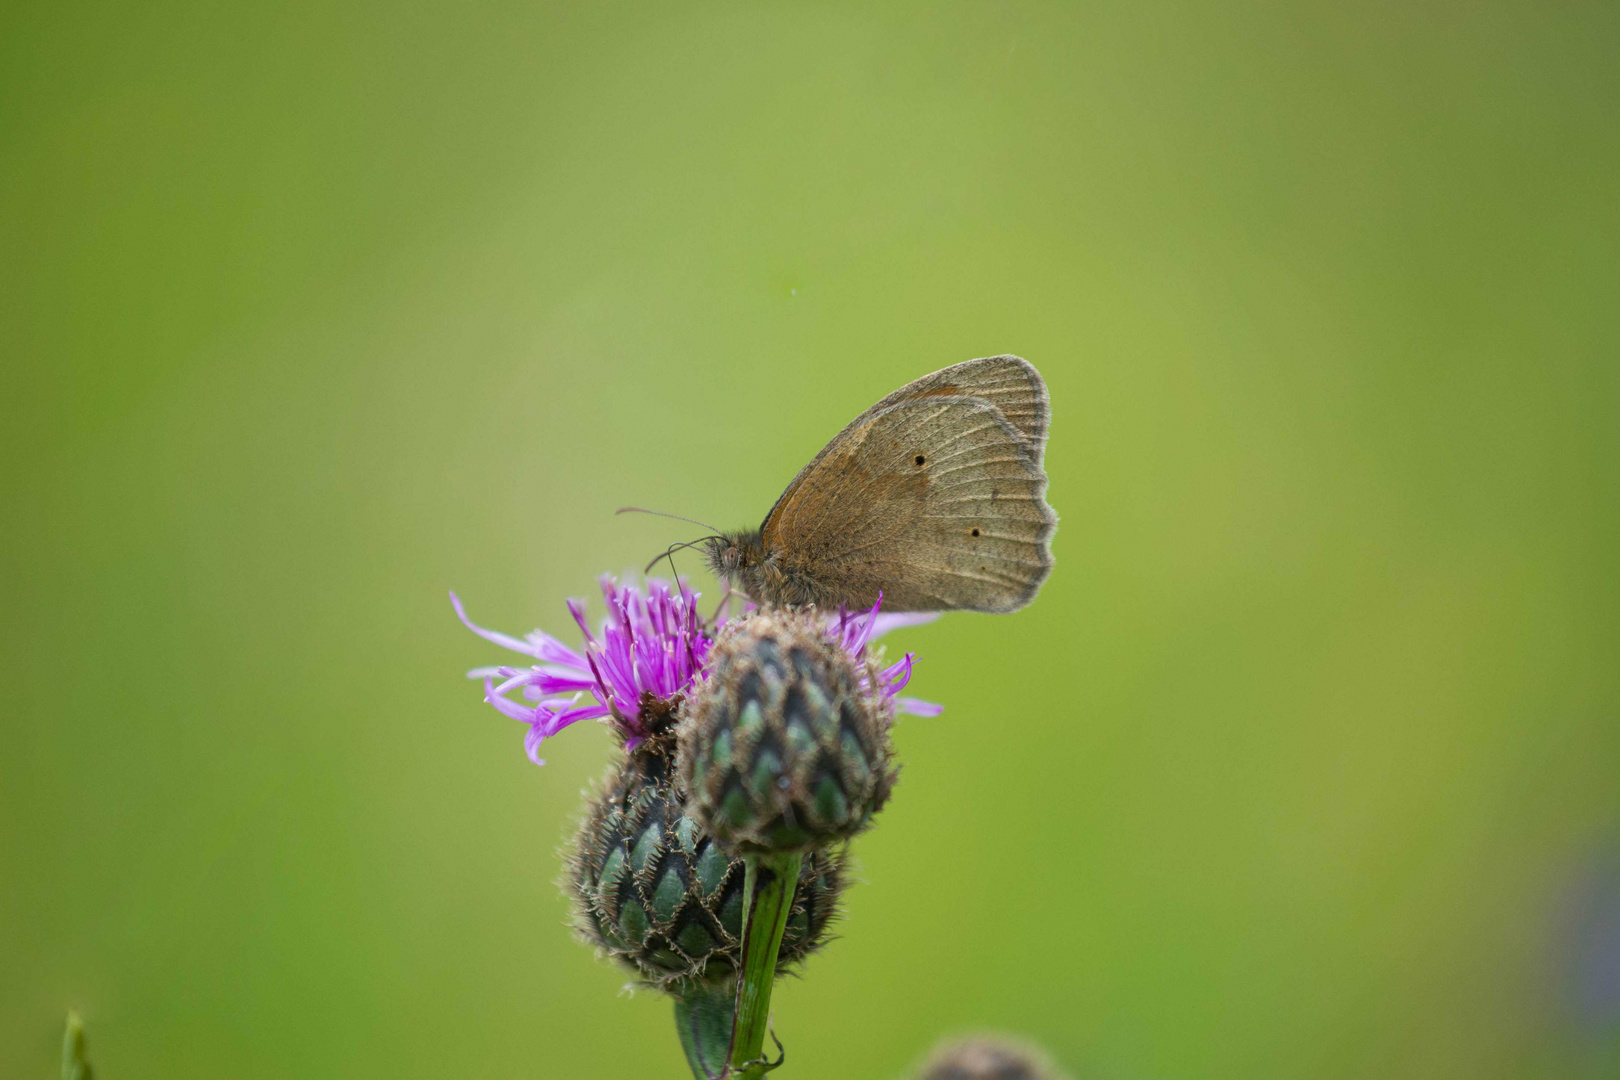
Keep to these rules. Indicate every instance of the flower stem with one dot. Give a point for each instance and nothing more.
(767, 900)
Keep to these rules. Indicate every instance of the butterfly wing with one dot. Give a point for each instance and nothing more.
(938, 501)
(1010, 383)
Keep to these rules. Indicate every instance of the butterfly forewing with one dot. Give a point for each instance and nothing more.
(1010, 383)
(936, 499)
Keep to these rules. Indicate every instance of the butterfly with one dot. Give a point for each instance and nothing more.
(935, 498)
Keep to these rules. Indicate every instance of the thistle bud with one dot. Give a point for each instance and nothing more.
(785, 745)
(988, 1059)
(652, 890)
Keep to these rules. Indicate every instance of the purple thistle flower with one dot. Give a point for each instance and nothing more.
(646, 655)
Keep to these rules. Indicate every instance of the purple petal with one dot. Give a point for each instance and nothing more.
(531, 745)
(895, 676)
(558, 684)
(576, 608)
(581, 670)
(550, 649)
(870, 619)
(508, 708)
(521, 678)
(503, 640)
(915, 707)
(577, 713)
(883, 623)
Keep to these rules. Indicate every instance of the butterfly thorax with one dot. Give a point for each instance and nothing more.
(742, 561)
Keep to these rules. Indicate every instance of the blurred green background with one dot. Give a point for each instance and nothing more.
(1306, 762)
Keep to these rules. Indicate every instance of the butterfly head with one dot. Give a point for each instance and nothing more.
(735, 558)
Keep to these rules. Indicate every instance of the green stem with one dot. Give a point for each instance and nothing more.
(767, 900)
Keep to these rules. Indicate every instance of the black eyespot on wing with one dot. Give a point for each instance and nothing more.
(975, 532)
(921, 460)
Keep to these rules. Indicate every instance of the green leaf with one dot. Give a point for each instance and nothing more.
(704, 1017)
(75, 1063)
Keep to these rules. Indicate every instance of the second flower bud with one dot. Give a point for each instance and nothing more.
(785, 745)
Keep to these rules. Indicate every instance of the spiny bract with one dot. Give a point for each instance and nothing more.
(652, 889)
(785, 745)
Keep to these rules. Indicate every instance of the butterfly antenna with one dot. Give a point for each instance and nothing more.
(660, 513)
(669, 553)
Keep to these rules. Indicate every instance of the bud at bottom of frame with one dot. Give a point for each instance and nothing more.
(988, 1059)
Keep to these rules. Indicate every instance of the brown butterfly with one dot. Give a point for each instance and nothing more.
(935, 497)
